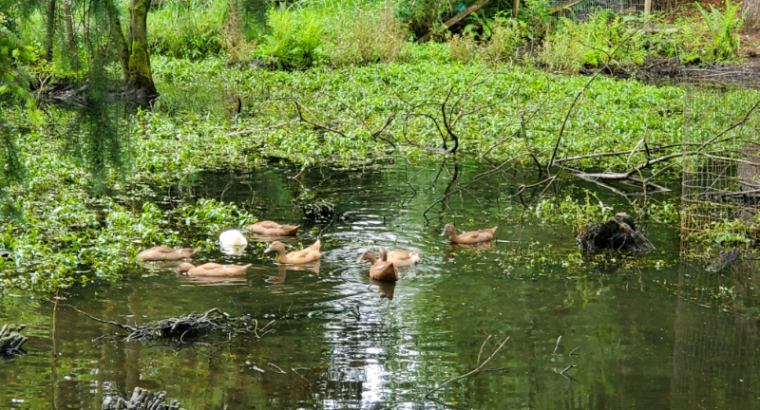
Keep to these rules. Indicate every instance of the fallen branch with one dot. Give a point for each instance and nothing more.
(190, 326)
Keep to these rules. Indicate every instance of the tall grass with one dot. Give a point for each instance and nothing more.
(188, 28)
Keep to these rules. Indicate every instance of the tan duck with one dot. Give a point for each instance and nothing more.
(213, 269)
(306, 255)
(403, 258)
(482, 235)
(164, 253)
(381, 269)
(273, 228)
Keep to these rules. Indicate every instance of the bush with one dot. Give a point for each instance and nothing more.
(368, 37)
(506, 40)
(423, 15)
(463, 47)
(723, 29)
(295, 41)
(187, 29)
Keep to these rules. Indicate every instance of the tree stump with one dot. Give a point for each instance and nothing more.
(141, 400)
(11, 340)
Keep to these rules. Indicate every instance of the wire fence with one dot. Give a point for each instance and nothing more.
(583, 9)
(721, 164)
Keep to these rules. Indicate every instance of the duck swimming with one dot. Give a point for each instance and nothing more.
(381, 269)
(232, 237)
(403, 258)
(213, 269)
(306, 255)
(273, 228)
(163, 253)
(482, 235)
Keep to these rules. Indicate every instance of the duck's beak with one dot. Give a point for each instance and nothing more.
(361, 258)
(269, 249)
(444, 232)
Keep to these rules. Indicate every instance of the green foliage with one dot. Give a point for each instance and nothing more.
(464, 48)
(367, 36)
(724, 28)
(506, 40)
(423, 15)
(187, 29)
(295, 40)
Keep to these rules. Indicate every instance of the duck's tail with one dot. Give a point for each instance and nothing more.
(196, 250)
(315, 245)
(245, 268)
(493, 230)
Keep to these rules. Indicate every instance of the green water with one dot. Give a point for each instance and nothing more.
(626, 337)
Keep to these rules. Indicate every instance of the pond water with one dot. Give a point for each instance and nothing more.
(580, 337)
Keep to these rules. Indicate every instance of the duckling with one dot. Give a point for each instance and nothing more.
(482, 235)
(232, 237)
(213, 269)
(273, 228)
(163, 253)
(306, 255)
(381, 270)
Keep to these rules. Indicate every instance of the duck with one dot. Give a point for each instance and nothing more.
(306, 255)
(483, 235)
(381, 269)
(273, 228)
(213, 269)
(164, 253)
(401, 258)
(232, 237)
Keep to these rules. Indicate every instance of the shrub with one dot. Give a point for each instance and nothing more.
(463, 47)
(369, 37)
(296, 39)
(723, 29)
(187, 29)
(506, 40)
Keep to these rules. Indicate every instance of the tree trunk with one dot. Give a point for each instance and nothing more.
(751, 13)
(122, 49)
(139, 60)
(69, 25)
(50, 28)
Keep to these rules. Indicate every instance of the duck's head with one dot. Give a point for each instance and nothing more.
(275, 246)
(184, 267)
(368, 255)
(449, 228)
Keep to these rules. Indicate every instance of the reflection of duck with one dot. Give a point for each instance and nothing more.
(273, 228)
(306, 255)
(213, 269)
(163, 253)
(482, 235)
(386, 288)
(232, 237)
(381, 269)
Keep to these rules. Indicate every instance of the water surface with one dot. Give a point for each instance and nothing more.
(580, 336)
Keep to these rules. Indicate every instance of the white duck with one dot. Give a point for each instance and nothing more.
(232, 237)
